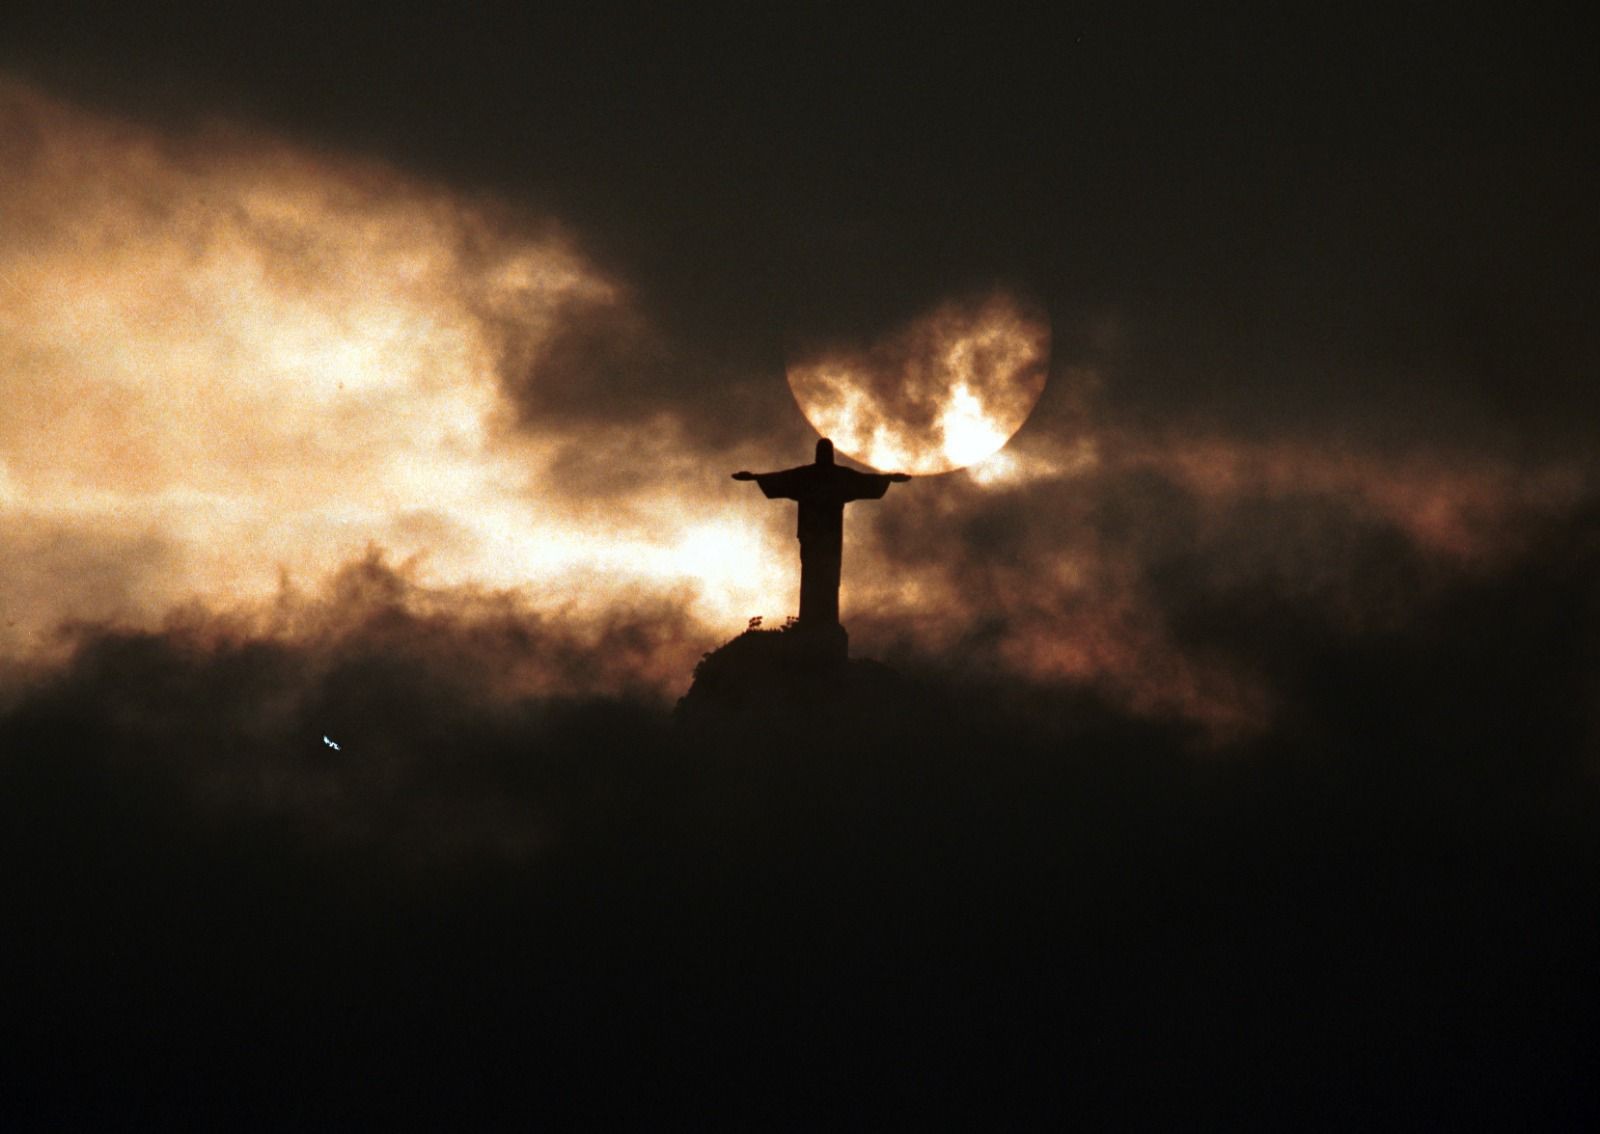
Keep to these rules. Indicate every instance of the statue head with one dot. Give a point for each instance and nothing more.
(824, 452)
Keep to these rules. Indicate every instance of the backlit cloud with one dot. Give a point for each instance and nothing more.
(235, 365)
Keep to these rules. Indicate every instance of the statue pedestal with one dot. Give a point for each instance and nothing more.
(786, 685)
(821, 643)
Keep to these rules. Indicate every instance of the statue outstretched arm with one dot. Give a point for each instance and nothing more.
(868, 486)
(787, 484)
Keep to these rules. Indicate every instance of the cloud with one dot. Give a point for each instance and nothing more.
(1119, 565)
(454, 710)
(265, 356)
(242, 358)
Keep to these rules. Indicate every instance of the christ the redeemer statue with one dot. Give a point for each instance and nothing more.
(823, 489)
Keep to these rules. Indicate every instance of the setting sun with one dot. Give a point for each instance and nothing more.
(945, 391)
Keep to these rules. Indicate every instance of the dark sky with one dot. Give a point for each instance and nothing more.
(1242, 771)
(1379, 217)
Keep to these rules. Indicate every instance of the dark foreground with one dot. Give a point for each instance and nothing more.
(943, 904)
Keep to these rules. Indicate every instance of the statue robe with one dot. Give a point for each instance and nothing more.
(822, 492)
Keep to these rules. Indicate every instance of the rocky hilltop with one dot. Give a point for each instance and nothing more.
(791, 676)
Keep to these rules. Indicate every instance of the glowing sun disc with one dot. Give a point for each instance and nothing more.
(945, 391)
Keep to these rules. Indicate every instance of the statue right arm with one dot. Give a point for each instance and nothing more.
(777, 485)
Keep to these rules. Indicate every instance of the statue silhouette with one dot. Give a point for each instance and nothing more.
(822, 489)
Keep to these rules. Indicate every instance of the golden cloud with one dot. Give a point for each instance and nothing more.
(232, 365)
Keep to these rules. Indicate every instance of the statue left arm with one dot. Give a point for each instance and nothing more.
(870, 486)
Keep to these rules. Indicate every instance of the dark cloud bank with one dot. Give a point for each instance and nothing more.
(976, 897)
(1374, 217)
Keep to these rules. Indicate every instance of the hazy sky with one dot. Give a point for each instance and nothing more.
(506, 295)
(1353, 214)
